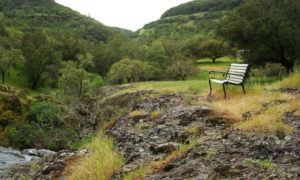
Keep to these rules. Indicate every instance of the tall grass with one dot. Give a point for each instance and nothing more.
(100, 164)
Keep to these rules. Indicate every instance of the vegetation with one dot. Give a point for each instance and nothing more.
(127, 70)
(215, 49)
(51, 49)
(189, 19)
(41, 58)
(101, 163)
(265, 35)
(201, 6)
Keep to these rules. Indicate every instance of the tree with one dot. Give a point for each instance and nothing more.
(128, 70)
(41, 58)
(9, 52)
(7, 59)
(181, 68)
(266, 31)
(214, 49)
(74, 79)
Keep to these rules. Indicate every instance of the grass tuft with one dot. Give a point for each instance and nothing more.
(155, 114)
(100, 164)
(136, 113)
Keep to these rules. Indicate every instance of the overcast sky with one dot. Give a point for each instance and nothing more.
(128, 14)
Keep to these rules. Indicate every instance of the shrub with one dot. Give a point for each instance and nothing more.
(42, 128)
(269, 70)
(128, 70)
(45, 115)
(181, 70)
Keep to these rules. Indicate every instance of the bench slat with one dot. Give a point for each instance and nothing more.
(239, 65)
(239, 72)
(235, 77)
(240, 68)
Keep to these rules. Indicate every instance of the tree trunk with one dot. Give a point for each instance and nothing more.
(214, 60)
(288, 64)
(80, 89)
(3, 77)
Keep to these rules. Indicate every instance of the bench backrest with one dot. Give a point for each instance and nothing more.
(237, 73)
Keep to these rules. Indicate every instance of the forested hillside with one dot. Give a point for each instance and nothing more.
(52, 17)
(191, 18)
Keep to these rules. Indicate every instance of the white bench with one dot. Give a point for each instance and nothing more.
(235, 75)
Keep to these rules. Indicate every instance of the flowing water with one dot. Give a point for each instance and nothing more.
(11, 159)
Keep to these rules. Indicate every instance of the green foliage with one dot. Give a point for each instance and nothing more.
(128, 70)
(214, 49)
(41, 129)
(41, 58)
(125, 32)
(267, 31)
(9, 52)
(25, 135)
(189, 19)
(47, 14)
(181, 68)
(197, 6)
(7, 59)
(45, 115)
(75, 80)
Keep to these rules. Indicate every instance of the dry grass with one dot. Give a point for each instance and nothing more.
(100, 164)
(157, 165)
(111, 123)
(270, 120)
(265, 120)
(292, 81)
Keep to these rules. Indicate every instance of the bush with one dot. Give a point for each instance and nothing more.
(269, 70)
(128, 70)
(181, 70)
(45, 115)
(93, 82)
(43, 128)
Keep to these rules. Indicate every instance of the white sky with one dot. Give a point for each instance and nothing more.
(128, 14)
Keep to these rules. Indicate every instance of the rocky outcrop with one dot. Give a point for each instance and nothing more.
(222, 153)
(240, 155)
(146, 138)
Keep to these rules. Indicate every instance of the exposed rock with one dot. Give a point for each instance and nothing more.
(162, 135)
(164, 148)
(288, 90)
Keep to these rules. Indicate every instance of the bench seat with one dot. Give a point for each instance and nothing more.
(235, 75)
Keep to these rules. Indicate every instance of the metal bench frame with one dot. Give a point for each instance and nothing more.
(235, 75)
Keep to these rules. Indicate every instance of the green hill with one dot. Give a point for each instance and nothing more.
(50, 16)
(195, 17)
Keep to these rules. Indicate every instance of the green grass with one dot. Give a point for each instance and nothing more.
(189, 86)
(17, 80)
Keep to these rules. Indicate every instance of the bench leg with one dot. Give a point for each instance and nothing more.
(224, 90)
(243, 89)
(210, 88)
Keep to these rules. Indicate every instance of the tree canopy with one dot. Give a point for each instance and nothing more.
(266, 31)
